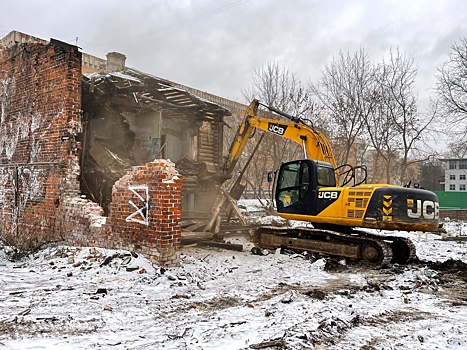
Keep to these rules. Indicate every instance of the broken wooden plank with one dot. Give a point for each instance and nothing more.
(215, 212)
(268, 344)
(195, 226)
(240, 227)
(213, 244)
(454, 238)
(234, 206)
(189, 245)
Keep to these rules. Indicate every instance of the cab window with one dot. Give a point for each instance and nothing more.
(326, 176)
(293, 183)
(289, 176)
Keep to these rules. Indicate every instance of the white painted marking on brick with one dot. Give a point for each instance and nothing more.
(32, 184)
(7, 90)
(142, 211)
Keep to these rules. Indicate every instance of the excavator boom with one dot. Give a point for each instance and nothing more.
(314, 144)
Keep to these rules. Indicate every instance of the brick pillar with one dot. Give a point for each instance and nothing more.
(145, 212)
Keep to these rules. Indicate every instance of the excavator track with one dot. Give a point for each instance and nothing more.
(374, 249)
(403, 249)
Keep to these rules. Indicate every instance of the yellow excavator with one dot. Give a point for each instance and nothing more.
(308, 189)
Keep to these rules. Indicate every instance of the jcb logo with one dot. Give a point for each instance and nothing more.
(277, 128)
(426, 209)
(328, 195)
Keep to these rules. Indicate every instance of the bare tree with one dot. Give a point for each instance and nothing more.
(386, 125)
(344, 90)
(457, 149)
(451, 91)
(379, 132)
(432, 175)
(280, 88)
(372, 111)
(397, 80)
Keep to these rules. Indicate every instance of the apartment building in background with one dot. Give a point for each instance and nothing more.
(455, 174)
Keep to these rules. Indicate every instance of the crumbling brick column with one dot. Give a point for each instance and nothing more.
(145, 212)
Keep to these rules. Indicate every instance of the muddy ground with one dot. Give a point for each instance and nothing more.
(81, 298)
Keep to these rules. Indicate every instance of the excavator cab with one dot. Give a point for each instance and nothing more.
(298, 183)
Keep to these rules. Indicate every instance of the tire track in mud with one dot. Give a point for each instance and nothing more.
(451, 275)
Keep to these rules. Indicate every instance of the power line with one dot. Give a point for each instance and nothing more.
(185, 21)
(195, 18)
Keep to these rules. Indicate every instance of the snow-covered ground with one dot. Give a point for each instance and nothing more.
(88, 298)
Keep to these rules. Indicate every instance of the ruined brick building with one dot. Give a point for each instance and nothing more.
(95, 153)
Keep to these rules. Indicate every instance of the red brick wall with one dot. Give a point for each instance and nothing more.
(155, 190)
(454, 214)
(151, 225)
(40, 98)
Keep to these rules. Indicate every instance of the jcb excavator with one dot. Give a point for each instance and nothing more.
(308, 189)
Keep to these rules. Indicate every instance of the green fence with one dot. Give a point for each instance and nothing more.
(452, 199)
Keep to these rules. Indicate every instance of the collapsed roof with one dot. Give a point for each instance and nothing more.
(144, 91)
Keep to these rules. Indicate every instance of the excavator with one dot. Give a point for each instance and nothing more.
(308, 190)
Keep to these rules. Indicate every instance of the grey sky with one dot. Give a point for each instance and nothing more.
(215, 45)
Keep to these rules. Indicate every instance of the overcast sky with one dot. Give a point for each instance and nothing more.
(215, 45)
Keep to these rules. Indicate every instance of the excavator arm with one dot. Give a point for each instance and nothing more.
(314, 144)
